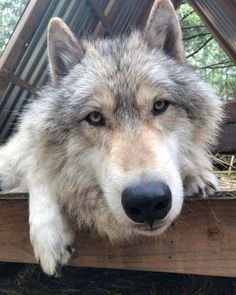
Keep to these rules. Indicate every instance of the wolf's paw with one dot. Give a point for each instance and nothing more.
(203, 185)
(52, 248)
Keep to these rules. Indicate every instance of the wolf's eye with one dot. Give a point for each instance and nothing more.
(95, 119)
(160, 107)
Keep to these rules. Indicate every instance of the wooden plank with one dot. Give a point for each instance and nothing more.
(227, 139)
(230, 111)
(200, 241)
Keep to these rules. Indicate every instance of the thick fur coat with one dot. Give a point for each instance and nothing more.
(117, 112)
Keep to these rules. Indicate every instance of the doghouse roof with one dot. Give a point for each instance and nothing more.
(23, 65)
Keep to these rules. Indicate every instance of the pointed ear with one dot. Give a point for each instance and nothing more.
(163, 30)
(64, 51)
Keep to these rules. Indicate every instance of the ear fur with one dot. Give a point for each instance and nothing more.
(64, 50)
(163, 30)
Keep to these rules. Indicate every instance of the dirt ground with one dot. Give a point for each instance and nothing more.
(25, 279)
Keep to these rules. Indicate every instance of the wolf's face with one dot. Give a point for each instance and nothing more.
(126, 115)
(127, 120)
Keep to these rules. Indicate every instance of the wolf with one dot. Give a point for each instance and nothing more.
(121, 133)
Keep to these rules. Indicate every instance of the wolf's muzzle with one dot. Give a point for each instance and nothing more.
(148, 202)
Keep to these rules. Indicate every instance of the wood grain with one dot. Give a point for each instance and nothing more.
(201, 241)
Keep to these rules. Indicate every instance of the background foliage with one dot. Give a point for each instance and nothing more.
(205, 54)
(10, 12)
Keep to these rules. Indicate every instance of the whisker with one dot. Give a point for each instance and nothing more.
(103, 212)
(101, 207)
(187, 206)
(92, 199)
(192, 200)
(213, 213)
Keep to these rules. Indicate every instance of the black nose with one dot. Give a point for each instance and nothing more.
(147, 202)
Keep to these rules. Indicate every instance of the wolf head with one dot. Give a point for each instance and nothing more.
(125, 121)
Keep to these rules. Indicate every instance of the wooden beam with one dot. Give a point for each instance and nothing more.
(99, 27)
(207, 19)
(177, 3)
(200, 241)
(230, 111)
(145, 15)
(21, 38)
(227, 139)
(10, 77)
(99, 12)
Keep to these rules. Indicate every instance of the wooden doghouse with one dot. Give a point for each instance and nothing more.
(203, 239)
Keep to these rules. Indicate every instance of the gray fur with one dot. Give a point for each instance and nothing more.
(57, 155)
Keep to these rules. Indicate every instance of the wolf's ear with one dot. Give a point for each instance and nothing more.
(64, 50)
(163, 30)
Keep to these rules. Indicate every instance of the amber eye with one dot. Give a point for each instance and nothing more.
(160, 107)
(95, 119)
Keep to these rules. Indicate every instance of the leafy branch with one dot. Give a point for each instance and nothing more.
(193, 27)
(201, 47)
(217, 66)
(186, 15)
(196, 36)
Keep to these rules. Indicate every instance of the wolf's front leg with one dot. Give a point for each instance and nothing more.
(50, 233)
